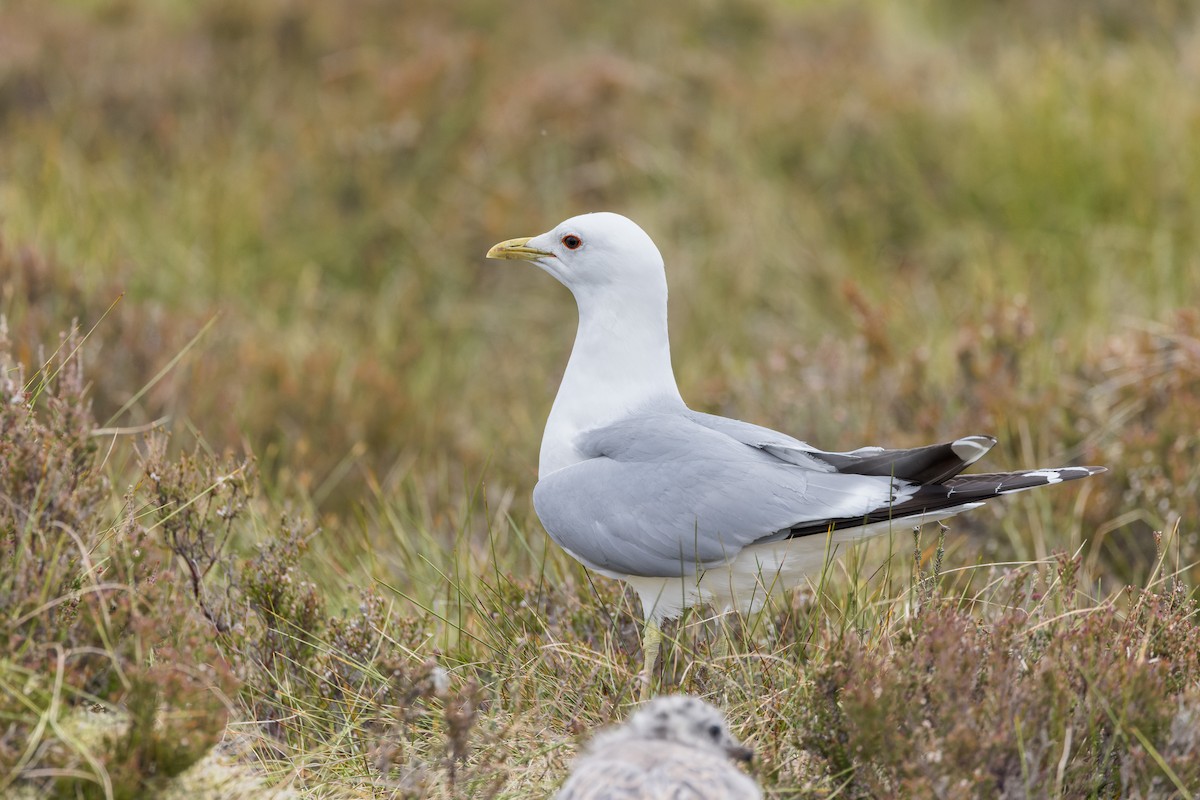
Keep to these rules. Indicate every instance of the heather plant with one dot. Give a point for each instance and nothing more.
(1052, 695)
(95, 620)
(133, 629)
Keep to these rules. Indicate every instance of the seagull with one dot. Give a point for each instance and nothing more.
(674, 746)
(691, 508)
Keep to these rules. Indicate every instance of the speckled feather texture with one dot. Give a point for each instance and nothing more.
(673, 748)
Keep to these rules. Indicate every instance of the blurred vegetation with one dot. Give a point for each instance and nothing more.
(882, 223)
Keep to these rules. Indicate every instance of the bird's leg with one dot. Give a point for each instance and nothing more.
(651, 643)
(722, 638)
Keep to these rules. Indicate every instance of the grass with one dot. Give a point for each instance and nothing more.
(881, 224)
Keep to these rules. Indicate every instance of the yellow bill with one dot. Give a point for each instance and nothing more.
(517, 250)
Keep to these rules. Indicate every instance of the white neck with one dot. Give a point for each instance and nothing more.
(621, 362)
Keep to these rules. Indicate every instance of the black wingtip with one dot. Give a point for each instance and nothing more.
(1010, 482)
(1075, 473)
(959, 490)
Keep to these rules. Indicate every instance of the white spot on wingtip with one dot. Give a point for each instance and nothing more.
(1049, 475)
(972, 448)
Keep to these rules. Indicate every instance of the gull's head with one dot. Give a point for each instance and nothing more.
(590, 252)
(688, 721)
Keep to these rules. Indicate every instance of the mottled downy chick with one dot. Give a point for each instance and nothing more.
(672, 748)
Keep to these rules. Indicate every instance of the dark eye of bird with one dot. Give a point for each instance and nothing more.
(572, 241)
(714, 731)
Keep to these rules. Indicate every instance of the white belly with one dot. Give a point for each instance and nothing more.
(761, 570)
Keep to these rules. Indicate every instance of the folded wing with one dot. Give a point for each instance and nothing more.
(662, 496)
(668, 494)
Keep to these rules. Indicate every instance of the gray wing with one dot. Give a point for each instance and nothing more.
(645, 770)
(662, 495)
(784, 447)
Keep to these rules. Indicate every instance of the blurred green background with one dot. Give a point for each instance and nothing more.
(883, 223)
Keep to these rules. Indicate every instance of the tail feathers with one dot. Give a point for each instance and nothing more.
(956, 491)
